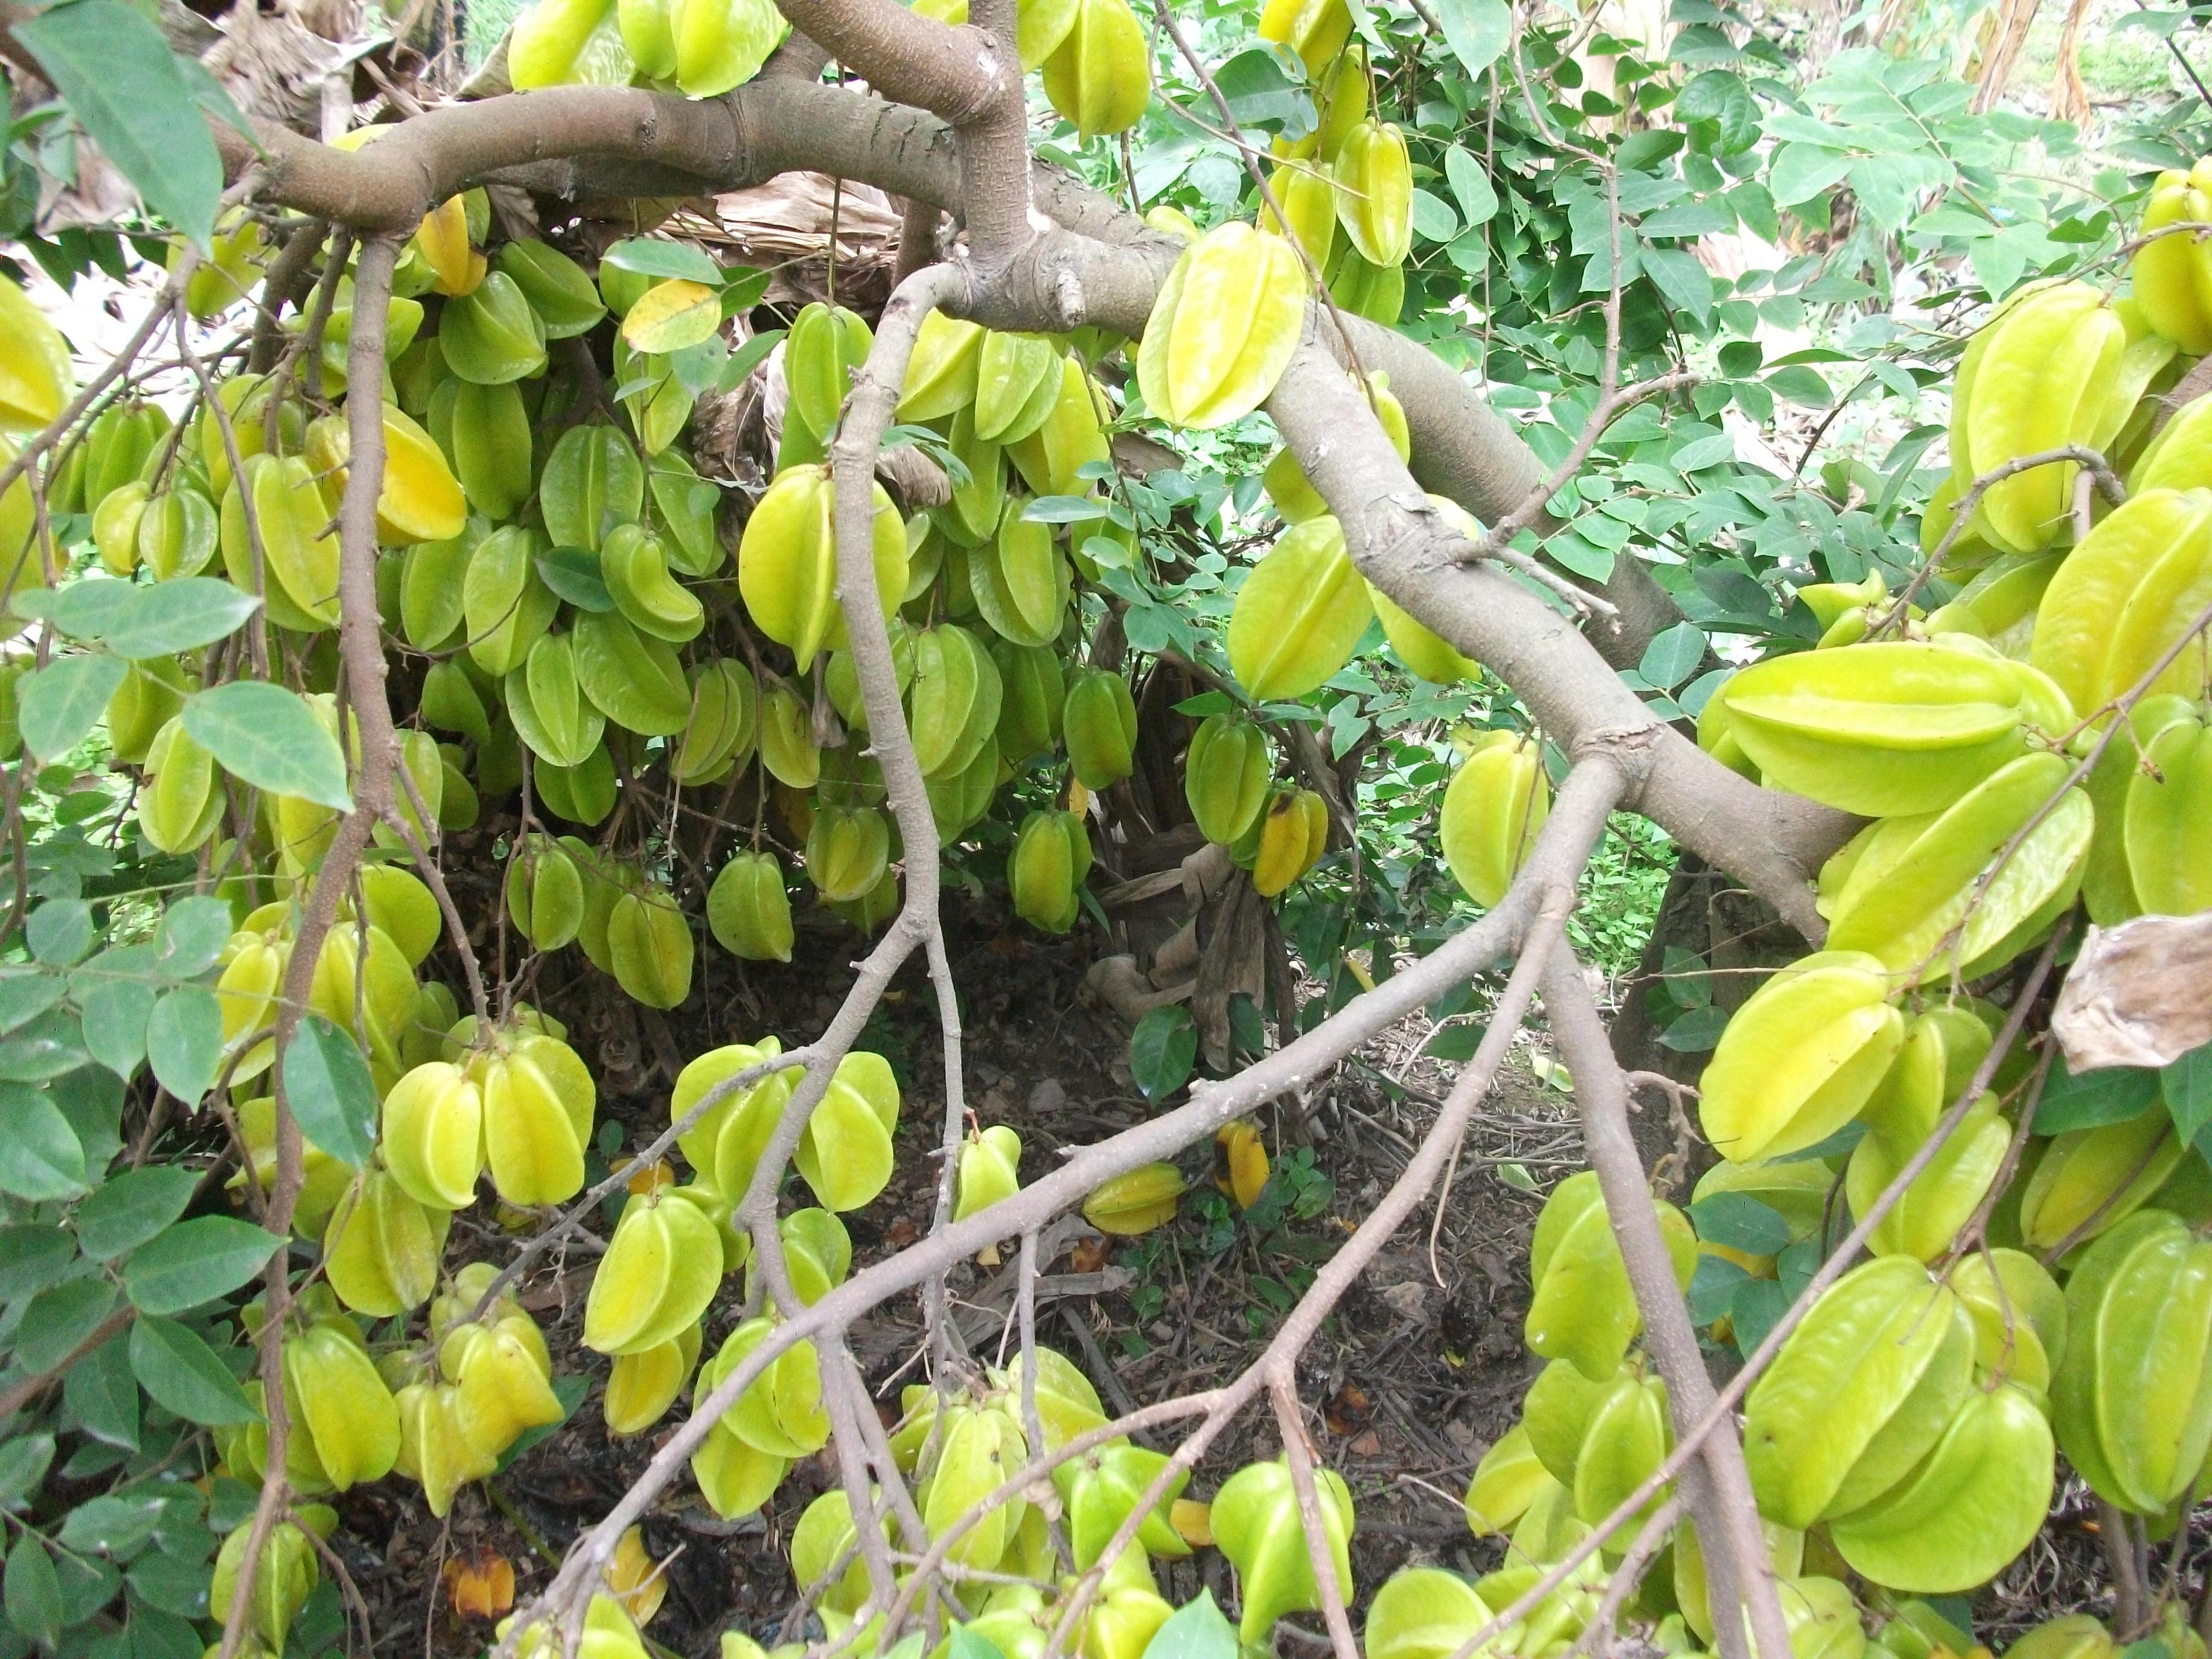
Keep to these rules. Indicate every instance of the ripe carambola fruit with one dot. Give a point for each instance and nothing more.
(661, 1269)
(722, 43)
(941, 374)
(641, 1387)
(1072, 437)
(35, 374)
(433, 1135)
(2125, 596)
(1223, 328)
(787, 562)
(1225, 776)
(1925, 894)
(725, 723)
(2172, 275)
(547, 706)
(634, 563)
(1423, 1612)
(1582, 1309)
(547, 39)
(1374, 192)
(505, 604)
(2037, 377)
(953, 703)
(1958, 1520)
(845, 1155)
(1800, 1057)
(1099, 723)
(649, 943)
(1497, 803)
(1299, 614)
(537, 1102)
(749, 910)
(2089, 1181)
(381, 1250)
(1100, 76)
(1293, 834)
(1135, 1202)
(1307, 195)
(1016, 383)
(1860, 1392)
(179, 800)
(1256, 1526)
(826, 344)
(331, 1385)
(1315, 29)
(1102, 1487)
(1021, 579)
(2132, 1400)
(1884, 729)
(990, 1164)
(1925, 1220)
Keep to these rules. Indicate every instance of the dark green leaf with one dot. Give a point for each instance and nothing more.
(1741, 1222)
(122, 83)
(965, 1643)
(171, 1585)
(24, 1461)
(25, 993)
(746, 358)
(130, 1209)
(33, 1592)
(103, 1396)
(2187, 1087)
(59, 1319)
(40, 1156)
(56, 705)
(183, 1041)
(1161, 1050)
(1695, 1032)
(266, 735)
(194, 1263)
(1267, 90)
(115, 994)
(180, 615)
(1455, 1042)
(1196, 1630)
(113, 1524)
(572, 573)
(2111, 1094)
(1758, 1303)
(1477, 198)
(327, 1083)
(1713, 1287)
(32, 1257)
(46, 1047)
(185, 1375)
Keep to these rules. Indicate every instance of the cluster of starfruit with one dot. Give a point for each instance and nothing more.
(1095, 56)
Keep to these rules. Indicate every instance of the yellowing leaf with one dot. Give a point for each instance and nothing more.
(673, 315)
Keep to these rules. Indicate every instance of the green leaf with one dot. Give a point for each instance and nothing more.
(266, 735)
(180, 615)
(1476, 31)
(2187, 1087)
(58, 1320)
(82, 610)
(196, 1261)
(24, 1461)
(1695, 1030)
(193, 931)
(1477, 199)
(55, 706)
(1801, 171)
(102, 1395)
(113, 1524)
(1673, 656)
(1712, 1288)
(1741, 1222)
(652, 258)
(572, 573)
(1065, 509)
(25, 993)
(1757, 1304)
(2111, 1094)
(133, 1207)
(183, 1041)
(185, 1375)
(1196, 1630)
(1163, 1049)
(121, 81)
(32, 1257)
(751, 356)
(43, 1049)
(1433, 218)
(40, 1156)
(115, 994)
(1455, 1042)
(1264, 86)
(60, 932)
(33, 1592)
(964, 1643)
(327, 1085)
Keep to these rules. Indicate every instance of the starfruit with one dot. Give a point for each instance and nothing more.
(1374, 192)
(649, 944)
(181, 797)
(491, 335)
(1224, 327)
(661, 1269)
(592, 482)
(1099, 722)
(845, 1154)
(1895, 728)
(636, 566)
(505, 604)
(539, 1099)
(1293, 833)
(544, 892)
(1017, 383)
(1927, 1217)
(749, 910)
(285, 1573)
(1100, 76)
(380, 1251)
(1103, 1487)
(2088, 1181)
(1424, 1613)
(787, 562)
(2020, 1317)
(2123, 598)
(1257, 1526)
(847, 849)
(1584, 1310)
(1021, 579)
(1800, 1057)
(550, 712)
(786, 739)
(826, 346)
(1052, 856)
(1494, 808)
(1033, 697)
(433, 1135)
(1071, 437)
(989, 1171)
(2039, 376)
(1859, 1392)
(35, 374)
(954, 700)
(1135, 1202)
(2172, 274)
(1225, 776)
(1299, 614)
